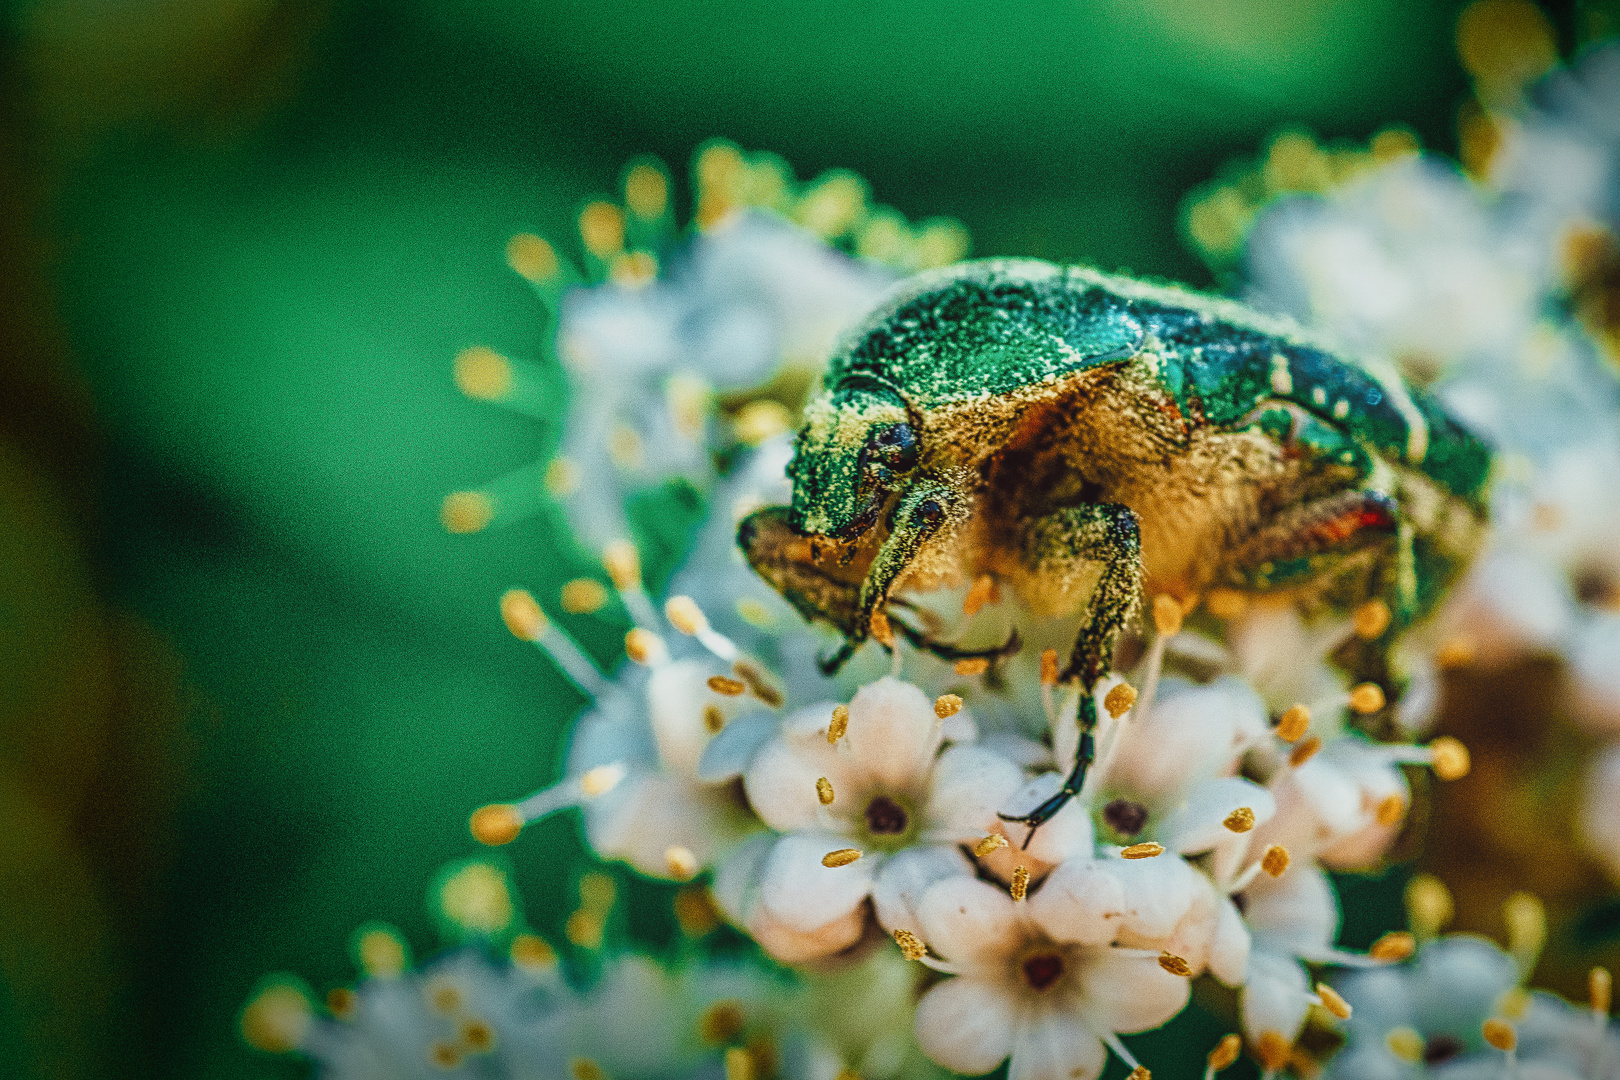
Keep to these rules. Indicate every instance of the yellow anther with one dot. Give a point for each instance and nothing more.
(1333, 1001)
(277, 1020)
(754, 613)
(646, 191)
(1367, 698)
(644, 647)
(1600, 990)
(496, 824)
(1166, 615)
(762, 420)
(582, 596)
(978, 595)
(1513, 1003)
(839, 724)
(445, 1055)
(562, 477)
(757, 683)
(881, 630)
(1275, 860)
(1454, 654)
(532, 953)
(973, 665)
(1147, 850)
(684, 615)
(1429, 906)
(478, 898)
(1274, 1050)
(714, 721)
(483, 373)
(1451, 759)
(1304, 751)
(1371, 620)
(1049, 667)
(1225, 603)
(739, 1064)
(601, 780)
(1406, 1044)
(1526, 919)
(1175, 965)
(1225, 1054)
(947, 705)
(993, 842)
(695, 911)
(585, 929)
(466, 511)
(1019, 886)
(841, 857)
(443, 996)
(1500, 1034)
(623, 565)
(1294, 723)
(1119, 700)
(633, 269)
(341, 1001)
(583, 1068)
(1390, 809)
(824, 790)
(1393, 947)
(477, 1037)
(1240, 820)
(522, 615)
(601, 226)
(1505, 43)
(910, 947)
(1140, 1073)
(722, 1022)
(532, 258)
(720, 684)
(682, 864)
(381, 953)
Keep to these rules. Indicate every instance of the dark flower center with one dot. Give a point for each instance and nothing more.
(885, 817)
(1042, 970)
(1441, 1048)
(1125, 817)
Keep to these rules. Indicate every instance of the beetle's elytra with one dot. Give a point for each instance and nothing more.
(1084, 439)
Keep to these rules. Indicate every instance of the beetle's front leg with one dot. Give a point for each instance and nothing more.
(1067, 545)
(928, 510)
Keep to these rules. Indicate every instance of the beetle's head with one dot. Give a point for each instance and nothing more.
(858, 446)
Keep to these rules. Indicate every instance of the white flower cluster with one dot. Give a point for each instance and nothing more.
(1503, 292)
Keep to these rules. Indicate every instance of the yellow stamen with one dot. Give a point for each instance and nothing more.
(947, 705)
(1240, 820)
(1454, 654)
(1513, 1003)
(601, 780)
(910, 947)
(684, 615)
(1304, 751)
(840, 723)
(714, 721)
(1390, 809)
(483, 373)
(1225, 1054)
(466, 512)
(477, 1037)
(881, 630)
(381, 953)
(722, 1022)
(1600, 990)
(759, 421)
(340, 1002)
(444, 997)
(841, 857)
(729, 687)
(278, 1020)
(1049, 667)
(585, 929)
(1371, 620)
(1175, 965)
(1275, 860)
(1367, 698)
(1273, 1050)
(583, 1068)
(993, 842)
(682, 864)
(1294, 723)
(1333, 1001)
(1166, 615)
(445, 1055)
(1500, 1034)
(478, 898)
(695, 911)
(1451, 759)
(824, 790)
(1225, 603)
(633, 269)
(739, 1064)
(1393, 947)
(522, 615)
(582, 596)
(496, 824)
(1140, 1073)
(562, 477)
(978, 595)
(601, 226)
(1119, 700)
(644, 646)
(623, 564)
(1406, 1044)
(757, 684)
(1146, 850)
(1019, 886)
(1429, 906)
(646, 191)
(532, 953)
(532, 258)
(1526, 919)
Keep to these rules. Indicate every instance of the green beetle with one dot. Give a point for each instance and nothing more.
(1086, 439)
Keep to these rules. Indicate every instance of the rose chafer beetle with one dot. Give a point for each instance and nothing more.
(1085, 439)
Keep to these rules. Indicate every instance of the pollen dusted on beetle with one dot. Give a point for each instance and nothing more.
(824, 791)
(1119, 700)
(1148, 850)
(1293, 724)
(1275, 860)
(1175, 965)
(720, 684)
(978, 595)
(840, 723)
(842, 857)
(970, 666)
(947, 706)
(993, 842)
(1393, 947)
(1019, 886)
(910, 946)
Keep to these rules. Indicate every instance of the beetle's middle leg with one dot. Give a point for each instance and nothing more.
(1070, 543)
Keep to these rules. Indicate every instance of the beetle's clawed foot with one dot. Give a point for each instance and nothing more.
(1039, 816)
(920, 639)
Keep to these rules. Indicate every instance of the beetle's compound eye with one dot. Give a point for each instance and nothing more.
(894, 446)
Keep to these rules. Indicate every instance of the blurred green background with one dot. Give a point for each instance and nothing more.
(250, 688)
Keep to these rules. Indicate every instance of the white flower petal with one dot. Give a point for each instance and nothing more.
(801, 893)
(1080, 901)
(1192, 732)
(893, 734)
(791, 945)
(1196, 824)
(905, 876)
(1127, 993)
(1158, 893)
(736, 879)
(1274, 997)
(966, 919)
(1229, 952)
(677, 694)
(730, 752)
(966, 1025)
(969, 786)
(1297, 913)
(781, 782)
(1054, 1044)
